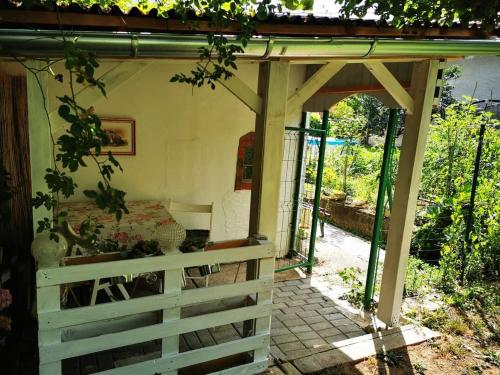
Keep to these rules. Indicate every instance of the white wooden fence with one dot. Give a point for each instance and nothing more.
(53, 320)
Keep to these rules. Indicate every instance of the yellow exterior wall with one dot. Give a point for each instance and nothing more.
(186, 141)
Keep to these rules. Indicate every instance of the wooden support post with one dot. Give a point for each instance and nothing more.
(39, 134)
(48, 300)
(422, 89)
(268, 152)
(268, 158)
(171, 284)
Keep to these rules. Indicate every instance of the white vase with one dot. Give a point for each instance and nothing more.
(170, 236)
(47, 252)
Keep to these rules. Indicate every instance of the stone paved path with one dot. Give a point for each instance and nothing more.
(305, 315)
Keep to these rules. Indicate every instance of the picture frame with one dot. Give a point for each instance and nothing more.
(121, 133)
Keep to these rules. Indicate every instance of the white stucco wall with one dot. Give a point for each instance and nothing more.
(186, 141)
(483, 71)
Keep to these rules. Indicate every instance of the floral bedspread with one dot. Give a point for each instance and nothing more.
(139, 224)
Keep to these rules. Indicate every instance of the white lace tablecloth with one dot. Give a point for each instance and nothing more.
(139, 224)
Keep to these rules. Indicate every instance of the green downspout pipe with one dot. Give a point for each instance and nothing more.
(298, 182)
(380, 208)
(317, 192)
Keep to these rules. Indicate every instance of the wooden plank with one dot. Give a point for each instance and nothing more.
(113, 78)
(359, 350)
(313, 84)
(171, 314)
(40, 146)
(406, 190)
(63, 275)
(55, 352)
(48, 299)
(263, 325)
(241, 91)
(191, 357)
(391, 84)
(205, 337)
(246, 369)
(80, 315)
(192, 340)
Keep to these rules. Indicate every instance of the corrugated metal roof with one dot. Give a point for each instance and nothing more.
(96, 17)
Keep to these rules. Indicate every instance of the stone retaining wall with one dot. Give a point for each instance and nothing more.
(354, 219)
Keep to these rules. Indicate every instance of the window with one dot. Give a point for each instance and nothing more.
(244, 166)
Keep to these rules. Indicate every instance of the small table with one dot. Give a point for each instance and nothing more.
(139, 224)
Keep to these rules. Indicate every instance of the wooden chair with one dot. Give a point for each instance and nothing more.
(184, 213)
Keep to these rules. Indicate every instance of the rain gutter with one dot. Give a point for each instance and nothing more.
(47, 43)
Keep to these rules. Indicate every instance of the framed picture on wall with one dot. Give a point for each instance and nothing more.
(121, 135)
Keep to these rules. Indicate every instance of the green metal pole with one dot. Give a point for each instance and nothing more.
(298, 182)
(317, 192)
(379, 211)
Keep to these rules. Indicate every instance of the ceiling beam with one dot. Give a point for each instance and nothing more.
(313, 84)
(241, 91)
(391, 84)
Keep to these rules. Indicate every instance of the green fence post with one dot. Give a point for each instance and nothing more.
(380, 209)
(317, 191)
(298, 184)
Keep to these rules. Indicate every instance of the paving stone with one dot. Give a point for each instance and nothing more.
(315, 300)
(285, 338)
(276, 324)
(289, 288)
(334, 317)
(343, 322)
(293, 303)
(277, 306)
(305, 286)
(321, 326)
(329, 303)
(279, 331)
(295, 345)
(287, 316)
(329, 332)
(314, 319)
(302, 291)
(292, 310)
(298, 329)
(316, 294)
(327, 310)
(299, 297)
(335, 338)
(312, 306)
(314, 342)
(350, 328)
(294, 322)
(307, 313)
(280, 299)
(308, 335)
(284, 294)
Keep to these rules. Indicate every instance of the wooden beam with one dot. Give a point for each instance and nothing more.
(39, 135)
(244, 93)
(356, 89)
(268, 154)
(113, 78)
(405, 196)
(391, 84)
(313, 84)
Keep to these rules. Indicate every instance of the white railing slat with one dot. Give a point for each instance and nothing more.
(70, 274)
(249, 368)
(80, 315)
(191, 357)
(69, 349)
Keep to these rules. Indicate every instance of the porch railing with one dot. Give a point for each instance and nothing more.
(53, 320)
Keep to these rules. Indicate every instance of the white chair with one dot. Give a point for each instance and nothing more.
(193, 217)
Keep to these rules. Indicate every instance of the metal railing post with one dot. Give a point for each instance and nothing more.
(317, 192)
(380, 209)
